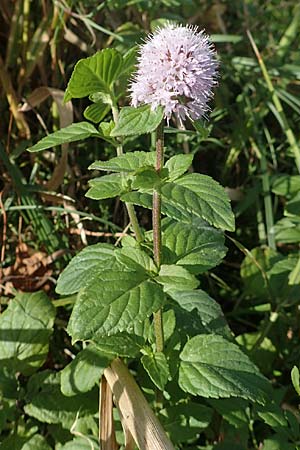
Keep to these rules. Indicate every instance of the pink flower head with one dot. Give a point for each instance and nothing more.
(177, 69)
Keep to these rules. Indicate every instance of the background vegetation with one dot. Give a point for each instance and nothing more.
(250, 144)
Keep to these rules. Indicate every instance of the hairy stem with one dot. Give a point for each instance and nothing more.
(129, 206)
(156, 222)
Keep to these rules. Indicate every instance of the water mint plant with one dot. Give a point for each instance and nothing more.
(140, 302)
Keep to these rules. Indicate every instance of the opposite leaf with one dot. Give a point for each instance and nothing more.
(75, 132)
(201, 196)
(136, 121)
(113, 300)
(178, 165)
(211, 366)
(197, 246)
(191, 197)
(128, 162)
(94, 74)
(108, 186)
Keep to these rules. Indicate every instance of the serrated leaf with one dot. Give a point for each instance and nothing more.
(156, 365)
(96, 112)
(175, 277)
(108, 186)
(136, 121)
(202, 305)
(84, 371)
(211, 366)
(25, 329)
(201, 196)
(178, 165)
(113, 300)
(46, 403)
(72, 133)
(128, 162)
(91, 259)
(190, 197)
(197, 246)
(121, 344)
(94, 74)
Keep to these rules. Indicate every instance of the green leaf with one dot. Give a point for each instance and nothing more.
(84, 371)
(25, 329)
(105, 129)
(190, 197)
(156, 365)
(131, 256)
(211, 366)
(197, 246)
(128, 162)
(287, 230)
(96, 112)
(121, 344)
(146, 178)
(81, 443)
(202, 305)
(234, 410)
(277, 442)
(37, 442)
(74, 132)
(286, 185)
(96, 73)
(46, 403)
(113, 300)
(90, 260)
(200, 196)
(108, 186)
(25, 441)
(292, 207)
(273, 416)
(295, 379)
(178, 165)
(185, 421)
(136, 121)
(176, 278)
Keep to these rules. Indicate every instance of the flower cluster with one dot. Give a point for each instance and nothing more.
(177, 69)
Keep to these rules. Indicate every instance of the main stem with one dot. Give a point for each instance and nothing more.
(156, 223)
(129, 206)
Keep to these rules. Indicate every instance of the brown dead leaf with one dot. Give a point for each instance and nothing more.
(30, 272)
